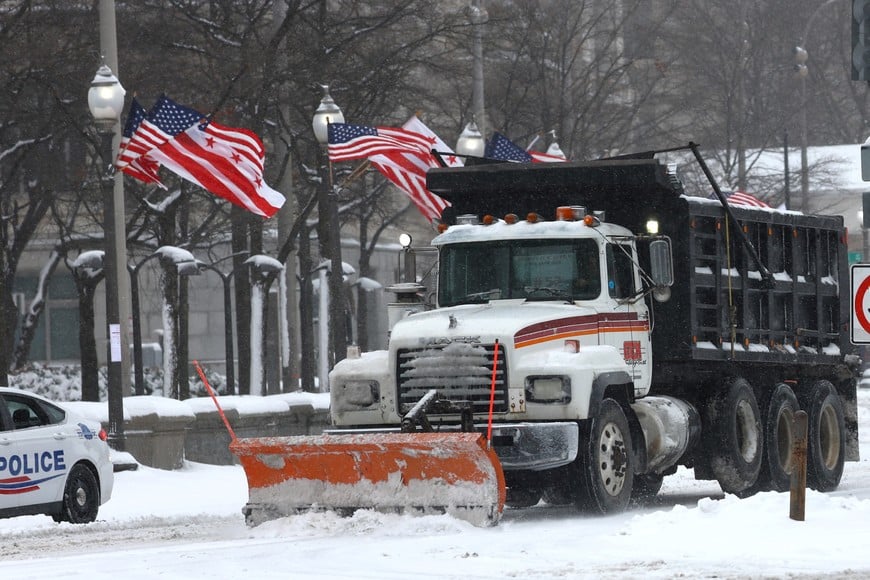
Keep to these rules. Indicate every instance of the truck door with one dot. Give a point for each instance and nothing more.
(625, 325)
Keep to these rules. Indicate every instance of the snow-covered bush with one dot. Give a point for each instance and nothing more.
(64, 383)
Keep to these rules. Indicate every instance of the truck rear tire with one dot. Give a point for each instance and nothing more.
(778, 454)
(826, 436)
(606, 472)
(732, 435)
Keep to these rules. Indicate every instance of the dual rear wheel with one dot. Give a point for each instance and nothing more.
(752, 450)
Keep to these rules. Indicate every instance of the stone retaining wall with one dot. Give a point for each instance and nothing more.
(163, 437)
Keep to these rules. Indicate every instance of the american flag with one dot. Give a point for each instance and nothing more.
(741, 198)
(225, 161)
(348, 142)
(500, 147)
(538, 157)
(165, 120)
(138, 166)
(407, 170)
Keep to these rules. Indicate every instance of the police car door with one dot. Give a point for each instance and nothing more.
(626, 326)
(33, 454)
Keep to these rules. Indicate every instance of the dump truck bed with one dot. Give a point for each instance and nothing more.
(797, 318)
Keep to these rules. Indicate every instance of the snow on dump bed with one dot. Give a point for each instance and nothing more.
(524, 229)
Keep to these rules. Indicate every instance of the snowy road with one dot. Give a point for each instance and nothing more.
(187, 524)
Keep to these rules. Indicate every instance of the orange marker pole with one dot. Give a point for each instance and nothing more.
(214, 398)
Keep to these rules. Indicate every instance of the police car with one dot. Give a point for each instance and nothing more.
(51, 462)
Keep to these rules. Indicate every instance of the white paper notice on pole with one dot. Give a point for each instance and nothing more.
(115, 342)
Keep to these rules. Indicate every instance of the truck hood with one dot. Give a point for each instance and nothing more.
(506, 320)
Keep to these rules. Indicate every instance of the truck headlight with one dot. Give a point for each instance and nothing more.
(548, 389)
(355, 395)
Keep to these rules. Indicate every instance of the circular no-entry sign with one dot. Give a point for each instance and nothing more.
(860, 304)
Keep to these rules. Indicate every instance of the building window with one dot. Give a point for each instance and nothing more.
(57, 334)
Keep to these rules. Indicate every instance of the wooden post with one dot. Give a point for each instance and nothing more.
(799, 468)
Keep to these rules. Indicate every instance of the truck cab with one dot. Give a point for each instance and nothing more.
(538, 321)
(584, 271)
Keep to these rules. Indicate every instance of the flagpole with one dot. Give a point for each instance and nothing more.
(117, 280)
(478, 18)
(329, 229)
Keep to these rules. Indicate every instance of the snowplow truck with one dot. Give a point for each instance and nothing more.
(599, 327)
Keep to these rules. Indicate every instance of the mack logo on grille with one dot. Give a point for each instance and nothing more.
(451, 339)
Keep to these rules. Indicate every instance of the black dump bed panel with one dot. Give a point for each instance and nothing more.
(720, 309)
(499, 189)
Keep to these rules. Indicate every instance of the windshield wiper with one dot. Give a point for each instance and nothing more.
(544, 293)
(495, 293)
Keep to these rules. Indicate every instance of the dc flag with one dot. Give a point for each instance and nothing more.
(224, 161)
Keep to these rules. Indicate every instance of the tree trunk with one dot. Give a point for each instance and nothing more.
(31, 318)
(7, 327)
(182, 348)
(169, 290)
(259, 310)
(243, 298)
(87, 339)
(306, 314)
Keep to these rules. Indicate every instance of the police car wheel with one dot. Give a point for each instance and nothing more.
(81, 497)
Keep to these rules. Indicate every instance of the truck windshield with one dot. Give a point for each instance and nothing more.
(529, 269)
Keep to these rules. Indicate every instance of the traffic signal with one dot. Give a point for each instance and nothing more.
(861, 40)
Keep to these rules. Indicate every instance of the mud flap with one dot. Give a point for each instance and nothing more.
(453, 473)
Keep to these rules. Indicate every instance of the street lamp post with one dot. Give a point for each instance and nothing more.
(478, 17)
(106, 100)
(471, 142)
(801, 70)
(801, 57)
(329, 231)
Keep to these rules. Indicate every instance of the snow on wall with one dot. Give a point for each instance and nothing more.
(165, 407)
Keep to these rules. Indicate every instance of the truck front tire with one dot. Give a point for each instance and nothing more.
(732, 435)
(826, 436)
(606, 472)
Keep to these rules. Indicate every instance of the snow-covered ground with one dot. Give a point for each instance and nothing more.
(187, 524)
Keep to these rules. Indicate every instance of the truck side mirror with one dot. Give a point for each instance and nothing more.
(661, 263)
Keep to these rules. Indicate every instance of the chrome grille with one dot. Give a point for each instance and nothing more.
(458, 371)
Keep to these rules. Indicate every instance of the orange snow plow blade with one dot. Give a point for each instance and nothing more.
(456, 473)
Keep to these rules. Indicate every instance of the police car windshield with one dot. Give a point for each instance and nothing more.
(527, 269)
